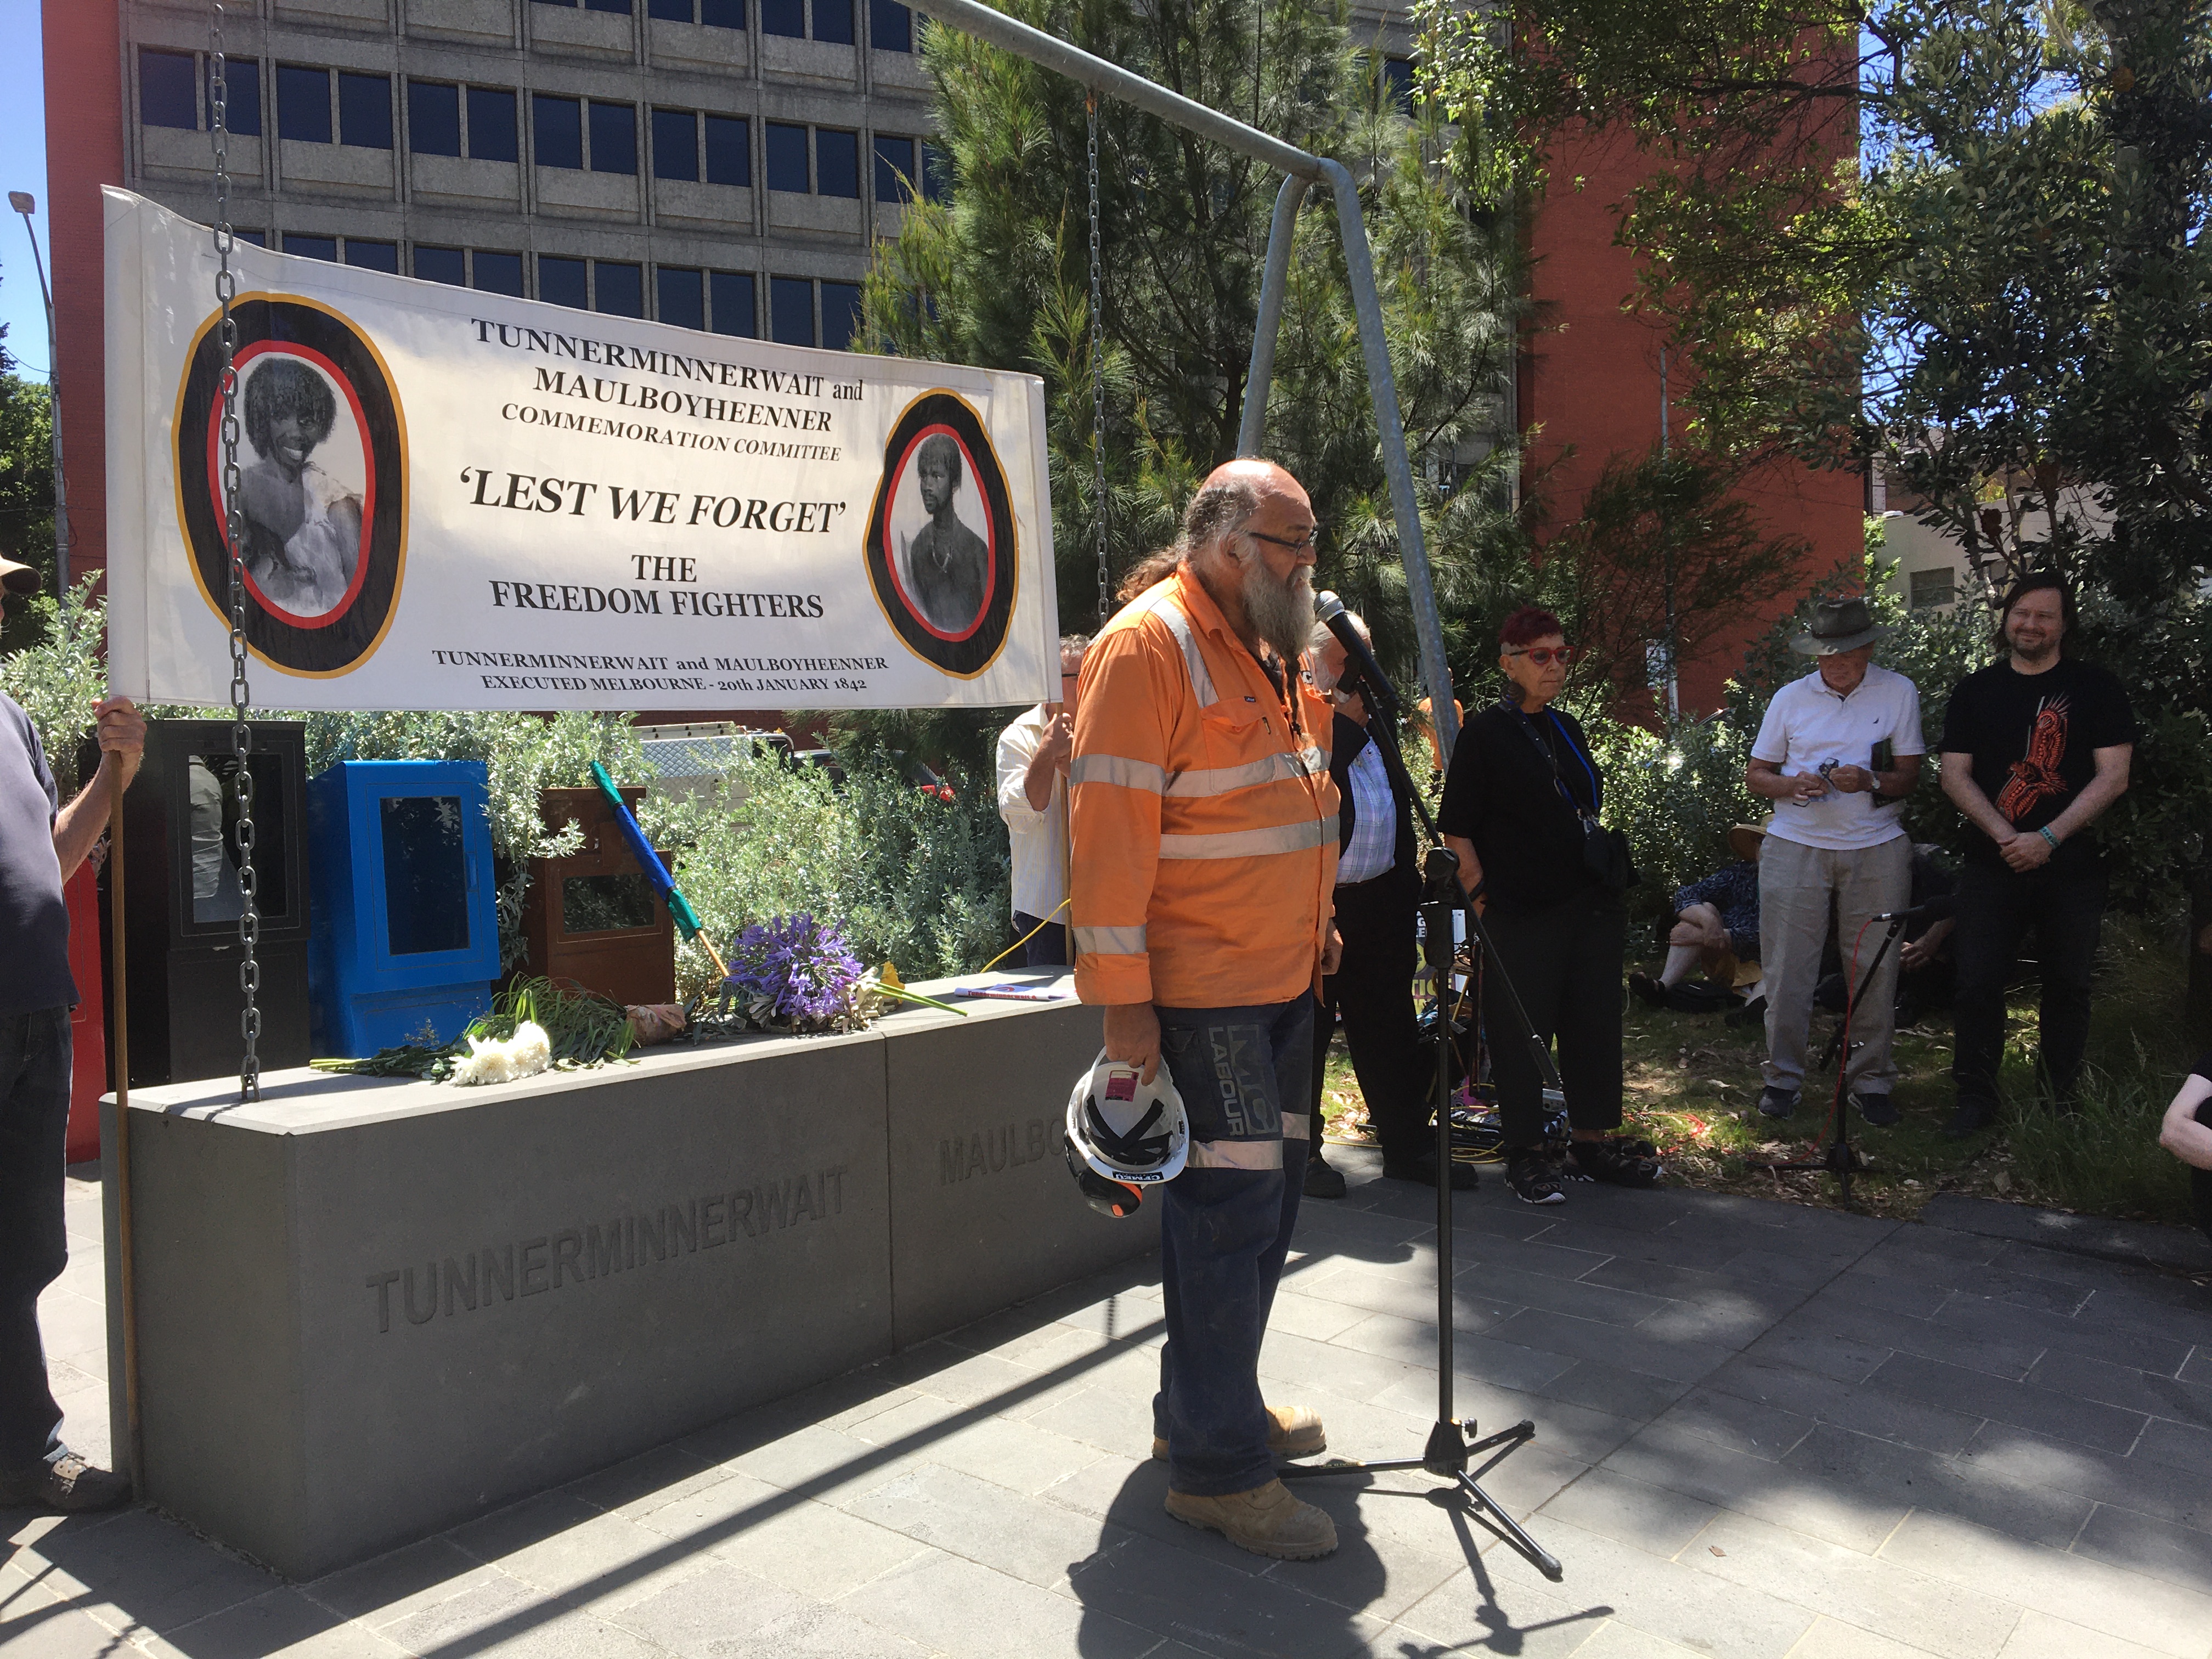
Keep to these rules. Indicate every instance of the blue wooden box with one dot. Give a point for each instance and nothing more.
(405, 944)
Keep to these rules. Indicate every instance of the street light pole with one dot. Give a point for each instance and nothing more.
(24, 203)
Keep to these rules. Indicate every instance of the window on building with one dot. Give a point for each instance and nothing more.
(1930, 588)
(303, 104)
(166, 97)
(680, 297)
(373, 256)
(492, 124)
(241, 96)
(841, 314)
(890, 26)
(894, 168)
(791, 310)
(364, 110)
(618, 288)
(497, 273)
(557, 136)
(729, 151)
(614, 138)
(833, 21)
(1398, 84)
(936, 174)
(440, 265)
(737, 303)
(836, 163)
(676, 144)
(434, 119)
(311, 247)
(620, 7)
(669, 11)
(786, 157)
(722, 14)
(785, 18)
(258, 237)
(560, 282)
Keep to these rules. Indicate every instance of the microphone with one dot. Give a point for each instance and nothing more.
(1329, 611)
(1933, 909)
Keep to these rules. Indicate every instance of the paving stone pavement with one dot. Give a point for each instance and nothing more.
(1762, 1430)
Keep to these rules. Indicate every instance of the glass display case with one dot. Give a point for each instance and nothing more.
(183, 898)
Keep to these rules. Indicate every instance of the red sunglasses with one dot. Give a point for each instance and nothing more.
(1543, 655)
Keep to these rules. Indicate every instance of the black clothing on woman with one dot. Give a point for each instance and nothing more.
(1501, 794)
(1560, 932)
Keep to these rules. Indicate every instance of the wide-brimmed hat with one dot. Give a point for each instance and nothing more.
(1744, 839)
(17, 578)
(1838, 625)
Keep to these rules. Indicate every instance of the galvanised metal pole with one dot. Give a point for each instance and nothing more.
(1009, 34)
(26, 204)
(1397, 470)
(1252, 430)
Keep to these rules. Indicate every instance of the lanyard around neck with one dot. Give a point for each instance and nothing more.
(1597, 789)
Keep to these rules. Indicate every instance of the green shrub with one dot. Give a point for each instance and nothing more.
(912, 879)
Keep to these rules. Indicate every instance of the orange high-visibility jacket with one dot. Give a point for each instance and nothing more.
(1203, 823)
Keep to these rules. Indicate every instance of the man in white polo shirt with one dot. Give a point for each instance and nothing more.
(1838, 753)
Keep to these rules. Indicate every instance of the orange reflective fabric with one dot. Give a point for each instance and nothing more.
(1202, 822)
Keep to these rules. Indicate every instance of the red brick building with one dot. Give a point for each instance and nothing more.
(1592, 384)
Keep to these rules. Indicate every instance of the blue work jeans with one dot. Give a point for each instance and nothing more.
(34, 1102)
(1224, 1228)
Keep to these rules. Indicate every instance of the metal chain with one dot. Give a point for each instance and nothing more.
(1097, 369)
(241, 733)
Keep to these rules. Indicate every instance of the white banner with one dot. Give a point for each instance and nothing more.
(454, 500)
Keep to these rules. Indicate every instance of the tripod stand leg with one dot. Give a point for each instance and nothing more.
(1544, 1561)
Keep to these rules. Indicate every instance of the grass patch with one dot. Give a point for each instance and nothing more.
(1692, 1083)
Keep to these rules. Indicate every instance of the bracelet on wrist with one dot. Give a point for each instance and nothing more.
(2044, 831)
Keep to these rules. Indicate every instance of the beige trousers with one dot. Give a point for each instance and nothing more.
(1796, 887)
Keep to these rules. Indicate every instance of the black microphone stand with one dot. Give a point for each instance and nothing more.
(1842, 1160)
(1445, 916)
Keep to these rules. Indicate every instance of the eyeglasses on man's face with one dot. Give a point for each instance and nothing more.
(1305, 543)
(1543, 655)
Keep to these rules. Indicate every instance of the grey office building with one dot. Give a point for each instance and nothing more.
(719, 164)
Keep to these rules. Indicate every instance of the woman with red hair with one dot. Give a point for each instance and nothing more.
(1521, 809)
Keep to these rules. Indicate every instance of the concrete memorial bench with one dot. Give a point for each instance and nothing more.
(368, 1310)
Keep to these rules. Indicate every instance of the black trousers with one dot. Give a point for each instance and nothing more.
(1565, 962)
(34, 1101)
(1996, 909)
(1050, 948)
(1372, 992)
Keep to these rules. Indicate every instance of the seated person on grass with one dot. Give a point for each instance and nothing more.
(2187, 1134)
(1715, 927)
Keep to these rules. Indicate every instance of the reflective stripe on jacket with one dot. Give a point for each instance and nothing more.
(1203, 823)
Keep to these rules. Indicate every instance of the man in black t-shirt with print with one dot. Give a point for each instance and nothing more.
(2034, 748)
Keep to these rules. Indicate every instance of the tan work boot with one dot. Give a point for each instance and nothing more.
(1292, 1431)
(1266, 1520)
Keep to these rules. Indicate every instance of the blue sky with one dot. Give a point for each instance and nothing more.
(23, 167)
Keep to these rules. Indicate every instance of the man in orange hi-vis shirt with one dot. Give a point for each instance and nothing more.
(1204, 830)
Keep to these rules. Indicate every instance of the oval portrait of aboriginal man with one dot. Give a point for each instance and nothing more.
(940, 544)
(320, 497)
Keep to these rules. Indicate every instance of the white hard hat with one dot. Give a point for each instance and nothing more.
(1124, 1133)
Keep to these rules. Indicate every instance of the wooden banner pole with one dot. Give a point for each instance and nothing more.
(119, 1058)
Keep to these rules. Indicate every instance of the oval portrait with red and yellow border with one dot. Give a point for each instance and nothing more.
(940, 549)
(320, 491)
